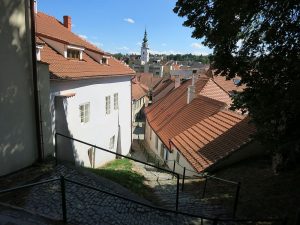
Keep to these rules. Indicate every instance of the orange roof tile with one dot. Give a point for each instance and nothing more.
(48, 26)
(137, 91)
(203, 130)
(61, 67)
(172, 115)
(213, 138)
(148, 80)
(228, 85)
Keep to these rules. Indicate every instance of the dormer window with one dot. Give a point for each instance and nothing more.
(104, 60)
(73, 52)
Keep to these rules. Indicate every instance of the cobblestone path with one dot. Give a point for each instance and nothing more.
(165, 186)
(85, 206)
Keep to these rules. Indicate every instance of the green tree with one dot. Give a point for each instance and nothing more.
(259, 40)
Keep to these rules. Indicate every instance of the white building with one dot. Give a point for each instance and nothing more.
(145, 50)
(90, 94)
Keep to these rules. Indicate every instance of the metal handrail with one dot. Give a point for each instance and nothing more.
(64, 205)
(28, 185)
(124, 156)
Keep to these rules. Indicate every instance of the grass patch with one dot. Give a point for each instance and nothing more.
(121, 172)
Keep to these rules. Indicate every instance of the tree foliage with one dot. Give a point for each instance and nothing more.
(259, 40)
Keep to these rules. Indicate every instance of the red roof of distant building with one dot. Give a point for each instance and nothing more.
(204, 131)
(137, 91)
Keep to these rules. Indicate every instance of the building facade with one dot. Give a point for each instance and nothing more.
(90, 94)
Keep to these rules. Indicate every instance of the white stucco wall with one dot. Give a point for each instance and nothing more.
(18, 139)
(171, 155)
(101, 127)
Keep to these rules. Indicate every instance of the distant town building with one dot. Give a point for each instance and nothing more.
(145, 64)
(145, 50)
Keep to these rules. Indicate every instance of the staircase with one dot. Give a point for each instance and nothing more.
(164, 186)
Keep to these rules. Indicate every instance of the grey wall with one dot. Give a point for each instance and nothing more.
(44, 97)
(18, 143)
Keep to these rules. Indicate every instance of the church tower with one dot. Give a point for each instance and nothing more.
(145, 50)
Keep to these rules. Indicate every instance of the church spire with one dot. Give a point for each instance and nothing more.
(145, 40)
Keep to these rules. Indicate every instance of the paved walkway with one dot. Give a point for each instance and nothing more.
(165, 187)
(85, 206)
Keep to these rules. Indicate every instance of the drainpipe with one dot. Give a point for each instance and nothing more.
(35, 83)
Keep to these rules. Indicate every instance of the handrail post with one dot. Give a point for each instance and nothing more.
(174, 164)
(177, 193)
(204, 188)
(237, 193)
(56, 156)
(63, 198)
(182, 186)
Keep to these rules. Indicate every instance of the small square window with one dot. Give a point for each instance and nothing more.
(107, 104)
(84, 112)
(112, 142)
(116, 101)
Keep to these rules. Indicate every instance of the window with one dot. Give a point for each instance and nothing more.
(112, 142)
(162, 150)
(84, 112)
(177, 157)
(73, 54)
(116, 101)
(107, 104)
(104, 61)
(156, 142)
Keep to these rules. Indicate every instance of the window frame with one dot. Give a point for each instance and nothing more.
(112, 142)
(107, 105)
(116, 101)
(84, 112)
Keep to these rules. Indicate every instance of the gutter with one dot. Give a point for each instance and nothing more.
(35, 84)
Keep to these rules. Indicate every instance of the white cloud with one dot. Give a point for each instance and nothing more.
(139, 44)
(129, 20)
(83, 36)
(197, 45)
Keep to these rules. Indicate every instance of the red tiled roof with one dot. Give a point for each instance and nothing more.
(203, 130)
(214, 91)
(48, 26)
(172, 115)
(148, 80)
(162, 89)
(213, 138)
(61, 67)
(137, 91)
(228, 85)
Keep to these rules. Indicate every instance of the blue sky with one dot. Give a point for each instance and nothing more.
(118, 25)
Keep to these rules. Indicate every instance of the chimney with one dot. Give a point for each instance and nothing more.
(67, 22)
(35, 6)
(177, 81)
(190, 93)
(194, 79)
